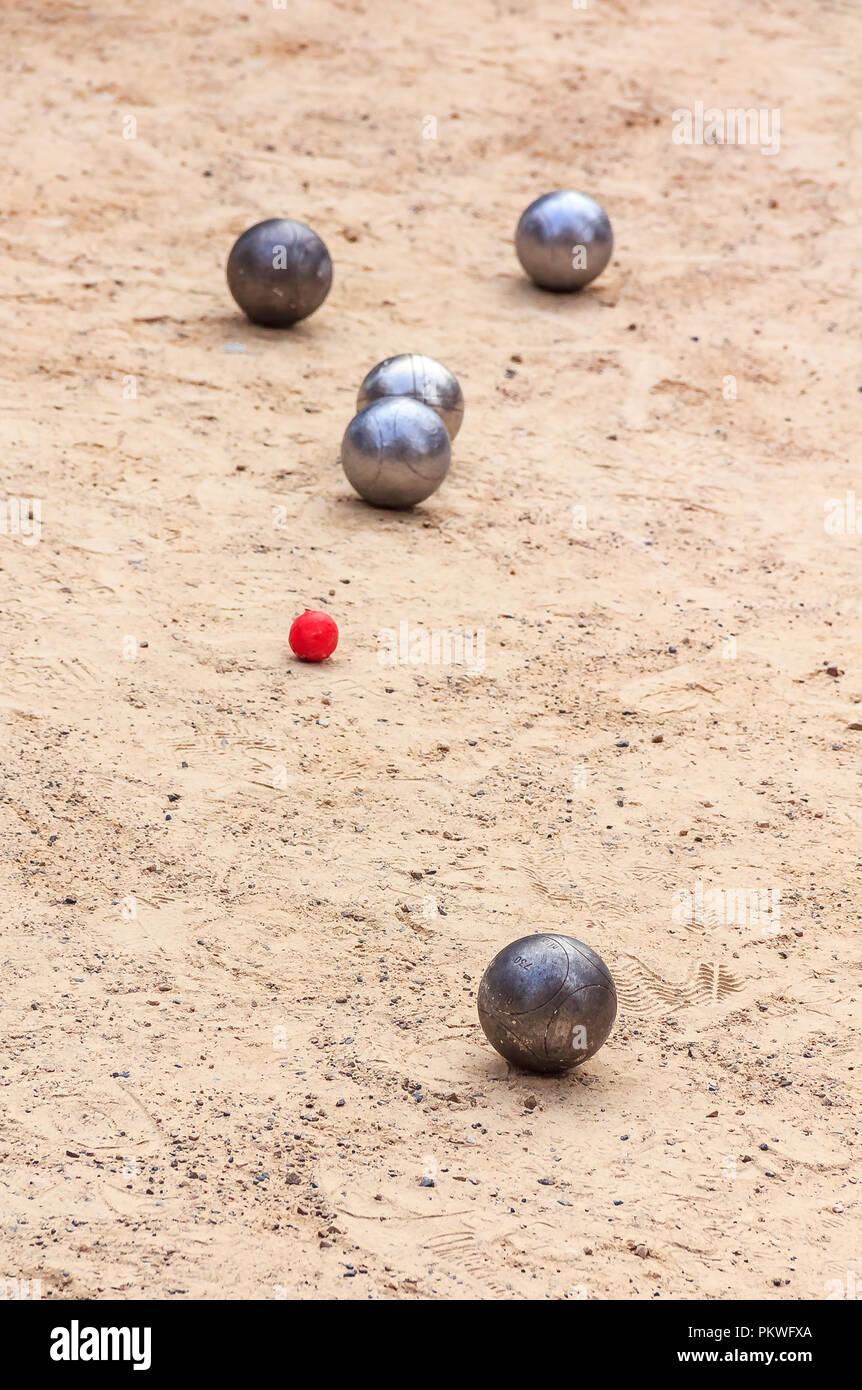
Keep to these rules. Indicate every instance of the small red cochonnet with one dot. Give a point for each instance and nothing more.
(313, 635)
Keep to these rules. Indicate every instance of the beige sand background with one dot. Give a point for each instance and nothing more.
(246, 903)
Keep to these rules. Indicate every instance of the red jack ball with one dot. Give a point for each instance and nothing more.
(313, 636)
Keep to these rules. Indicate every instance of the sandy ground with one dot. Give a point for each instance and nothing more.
(246, 903)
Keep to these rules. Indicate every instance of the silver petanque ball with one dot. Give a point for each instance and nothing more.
(547, 1002)
(279, 272)
(564, 240)
(396, 452)
(411, 374)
